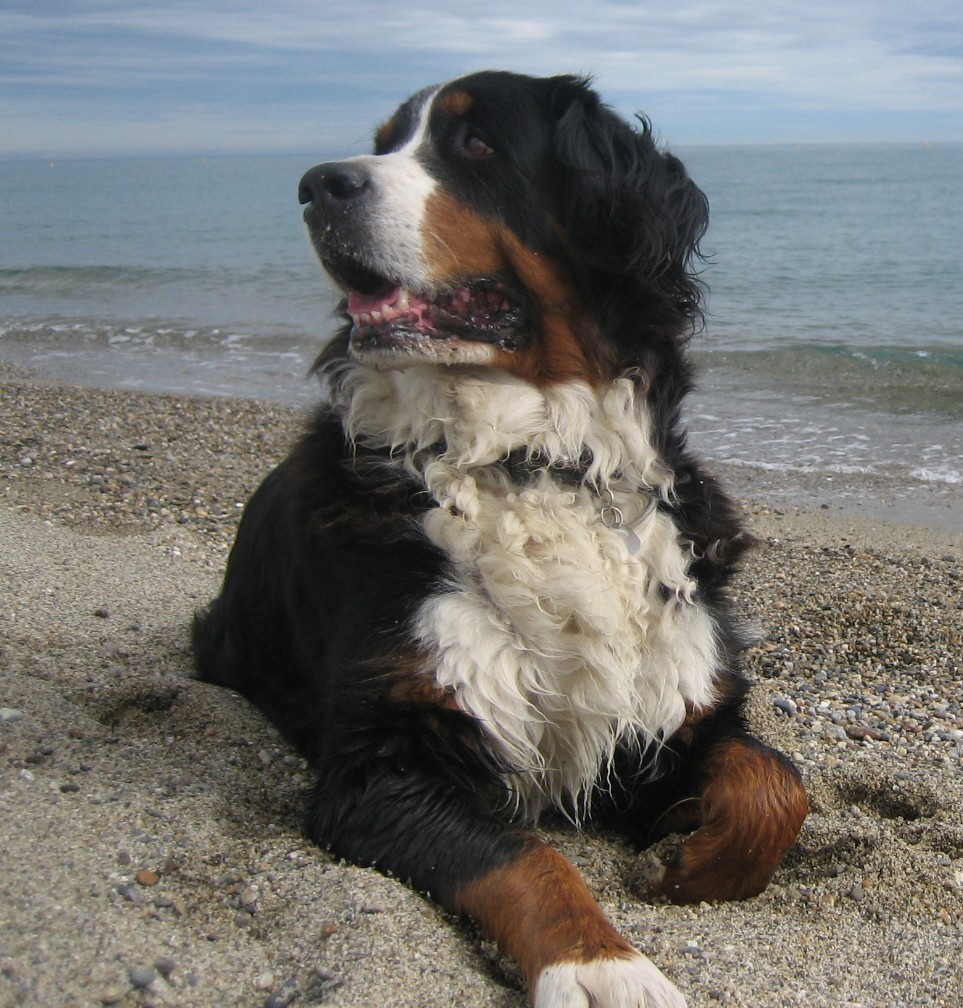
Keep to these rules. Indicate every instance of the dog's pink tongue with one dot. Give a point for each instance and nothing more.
(387, 307)
(358, 302)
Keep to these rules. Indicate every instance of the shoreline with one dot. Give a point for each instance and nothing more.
(902, 492)
(151, 823)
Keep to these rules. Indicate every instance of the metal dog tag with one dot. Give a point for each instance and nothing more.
(632, 542)
(612, 518)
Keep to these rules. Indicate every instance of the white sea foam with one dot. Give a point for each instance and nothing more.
(941, 474)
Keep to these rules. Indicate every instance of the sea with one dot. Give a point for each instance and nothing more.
(830, 371)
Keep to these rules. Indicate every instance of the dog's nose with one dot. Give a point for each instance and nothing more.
(334, 183)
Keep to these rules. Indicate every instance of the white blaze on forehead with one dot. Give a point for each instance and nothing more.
(400, 190)
(420, 118)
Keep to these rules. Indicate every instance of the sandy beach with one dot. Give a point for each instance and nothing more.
(152, 854)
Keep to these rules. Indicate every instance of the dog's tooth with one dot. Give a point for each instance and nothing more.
(403, 301)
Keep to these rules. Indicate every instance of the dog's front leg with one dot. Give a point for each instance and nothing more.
(540, 911)
(416, 825)
(748, 809)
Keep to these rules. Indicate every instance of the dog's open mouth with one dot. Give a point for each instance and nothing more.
(390, 316)
(477, 311)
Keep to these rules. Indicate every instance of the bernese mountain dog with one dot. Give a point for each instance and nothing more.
(490, 580)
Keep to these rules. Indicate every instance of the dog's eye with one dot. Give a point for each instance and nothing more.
(473, 146)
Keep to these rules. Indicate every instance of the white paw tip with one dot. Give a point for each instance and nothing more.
(630, 982)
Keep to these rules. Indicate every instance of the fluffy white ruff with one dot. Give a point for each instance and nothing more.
(551, 633)
(478, 415)
(606, 983)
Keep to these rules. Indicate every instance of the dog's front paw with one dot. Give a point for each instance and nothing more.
(626, 982)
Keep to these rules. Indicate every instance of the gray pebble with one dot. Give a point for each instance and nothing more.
(10, 714)
(283, 996)
(141, 976)
(130, 893)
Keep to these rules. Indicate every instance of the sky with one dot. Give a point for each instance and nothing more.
(82, 78)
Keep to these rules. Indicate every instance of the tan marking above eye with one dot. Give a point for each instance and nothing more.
(456, 103)
(385, 134)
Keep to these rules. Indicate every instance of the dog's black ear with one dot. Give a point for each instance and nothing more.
(627, 208)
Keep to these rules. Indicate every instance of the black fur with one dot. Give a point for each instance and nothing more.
(319, 592)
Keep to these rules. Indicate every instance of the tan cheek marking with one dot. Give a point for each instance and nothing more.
(540, 912)
(567, 345)
(752, 808)
(461, 245)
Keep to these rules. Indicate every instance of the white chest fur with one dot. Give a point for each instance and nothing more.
(551, 632)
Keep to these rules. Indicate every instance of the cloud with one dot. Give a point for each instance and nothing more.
(235, 71)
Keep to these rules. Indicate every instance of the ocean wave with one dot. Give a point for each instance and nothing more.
(210, 295)
(162, 358)
(891, 379)
(60, 281)
(76, 335)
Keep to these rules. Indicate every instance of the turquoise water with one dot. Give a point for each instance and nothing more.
(835, 335)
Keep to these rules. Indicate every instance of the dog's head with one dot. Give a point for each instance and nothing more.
(512, 222)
